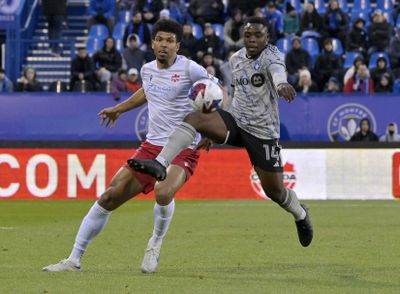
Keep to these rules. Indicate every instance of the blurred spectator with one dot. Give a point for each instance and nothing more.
(125, 4)
(332, 86)
(211, 70)
(179, 11)
(226, 72)
(381, 69)
(164, 14)
(6, 85)
(82, 72)
(107, 60)
(204, 11)
(297, 58)
(233, 37)
(258, 12)
(360, 82)
(384, 84)
(328, 64)
(209, 43)
(391, 134)
(28, 82)
(275, 21)
(291, 22)
(245, 6)
(379, 32)
(188, 42)
(310, 19)
(353, 69)
(305, 84)
(150, 9)
(335, 22)
(207, 60)
(132, 55)
(118, 84)
(365, 134)
(101, 12)
(55, 11)
(132, 83)
(136, 26)
(394, 49)
(357, 38)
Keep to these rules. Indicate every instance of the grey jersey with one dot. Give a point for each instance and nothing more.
(255, 100)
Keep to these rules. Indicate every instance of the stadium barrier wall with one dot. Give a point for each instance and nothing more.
(73, 116)
(222, 173)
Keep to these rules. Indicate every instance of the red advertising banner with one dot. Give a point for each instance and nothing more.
(396, 175)
(86, 173)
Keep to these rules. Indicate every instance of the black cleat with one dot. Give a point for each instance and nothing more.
(149, 167)
(305, 229)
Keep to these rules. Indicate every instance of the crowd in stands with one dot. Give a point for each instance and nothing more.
(328, 49)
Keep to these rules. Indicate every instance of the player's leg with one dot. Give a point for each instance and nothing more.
(123, 187)
(163, 213)
(211, 125)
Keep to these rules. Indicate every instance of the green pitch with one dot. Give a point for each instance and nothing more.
(212, 247)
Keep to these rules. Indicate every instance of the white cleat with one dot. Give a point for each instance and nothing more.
(64, 265)
(150, 259)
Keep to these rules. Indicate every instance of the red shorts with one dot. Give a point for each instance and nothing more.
(187, 160)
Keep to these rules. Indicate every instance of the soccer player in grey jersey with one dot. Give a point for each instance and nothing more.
(252, 121)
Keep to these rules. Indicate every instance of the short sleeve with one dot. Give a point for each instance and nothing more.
(197, 72)
(275, 64)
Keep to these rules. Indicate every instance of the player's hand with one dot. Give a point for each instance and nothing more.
(109, 116)
(286, 91)
(205, 144)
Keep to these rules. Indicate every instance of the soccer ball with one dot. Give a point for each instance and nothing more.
(205, 96)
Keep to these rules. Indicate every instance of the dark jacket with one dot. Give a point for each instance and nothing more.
(154, 6)
(111, 60)
(379, 35)
(34, 86)
(339, 18)
(85, 66)
(54, 7)
(141, 29)
(356, 38)
(204, 8)
(311, 21)
(134, 58)
(328, 64)
(370, 136)
(247, 7)
(188, 46)
(210, 44)
(394, 47)
(296, 59)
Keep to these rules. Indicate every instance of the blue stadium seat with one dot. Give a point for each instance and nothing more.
(93, 44)
(319, 6)
(398, 22)
(396, 87)
(295, 3)
(389, 17)
(337, 46)
(98, 30)
(119, 31)
(284, 44)
(360, 14)
(361, 5)
(119, 44)
(197, 31)
(311, 45)
(385, 5)
(374, 57)
(344, 6)
(349, 59)
(124, 17)
(219, 30)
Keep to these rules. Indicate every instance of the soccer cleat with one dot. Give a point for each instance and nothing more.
(149, 167)
(64, 265)
(304, 229)
(150, 260)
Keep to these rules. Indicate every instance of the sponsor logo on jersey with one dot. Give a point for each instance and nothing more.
(344, 121)
(241, 81)
(142, 124)
(289, 179)
(257, 79)
(175, 78)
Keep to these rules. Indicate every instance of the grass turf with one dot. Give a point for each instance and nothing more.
(212, 247)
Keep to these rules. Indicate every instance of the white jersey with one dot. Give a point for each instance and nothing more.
(166, 91)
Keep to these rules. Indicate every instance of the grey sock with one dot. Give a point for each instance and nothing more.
(292, 205)
(180, 139)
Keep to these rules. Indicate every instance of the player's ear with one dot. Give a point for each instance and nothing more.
(178, 45)
(152, 44)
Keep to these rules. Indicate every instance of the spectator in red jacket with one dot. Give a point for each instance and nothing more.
(132, 83)
(360, 82)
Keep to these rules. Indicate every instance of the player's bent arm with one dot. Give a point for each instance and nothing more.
(135, 100)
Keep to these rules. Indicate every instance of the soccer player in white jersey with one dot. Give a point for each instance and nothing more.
(252, 121)
(166, 83)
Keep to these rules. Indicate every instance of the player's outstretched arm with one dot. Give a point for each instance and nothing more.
(110, 115)
(286, 91)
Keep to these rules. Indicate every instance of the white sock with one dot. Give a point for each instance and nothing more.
(292, 205)
(91, 226)
(180, 139)
(162, 219)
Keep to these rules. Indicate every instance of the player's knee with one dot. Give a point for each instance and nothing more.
(164, 195)
(107, 199)
(276, 194)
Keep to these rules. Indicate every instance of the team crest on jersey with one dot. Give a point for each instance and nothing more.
(289, 179)
(175, 78)
(142, 124)
(256, 65)
(344, 121)
(257, 79)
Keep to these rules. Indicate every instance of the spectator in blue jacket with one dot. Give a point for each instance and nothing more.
(150, 9)
(335, 22)
(275, 21)
(138, 27)
(6, 86)
(101, 12)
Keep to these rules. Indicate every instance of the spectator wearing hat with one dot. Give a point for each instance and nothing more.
(360, 82)
(297, 58)
(357, 38)
(132, 83)
(379, 32)
(328, 64)
(204, 11)
(391, 134)
(150, 9)
(394, 50)
(364, 134)
(311, 21)
(133, 56)
(209, 43)
(101, 12)
(82, 72)
(291, 22)
(118, 84)
(188, 42)
(335, 22)
(353, 69)
(332, 86)
(275, 21)
(6, 86)
(381, 69)
(138, 27)
(384, 84)
(233, 35)
(305, 84)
